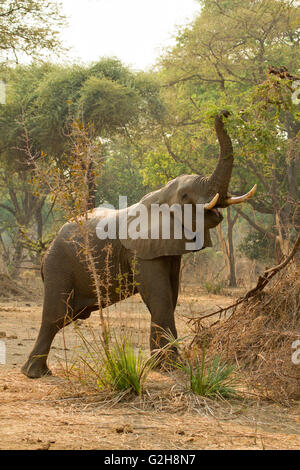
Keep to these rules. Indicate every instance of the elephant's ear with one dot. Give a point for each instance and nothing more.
(147, 246)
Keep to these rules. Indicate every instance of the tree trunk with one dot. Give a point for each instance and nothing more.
(223, 246)
(39, 221)
(228, 247)
(231, 257)
(18, 255)
(4, 258)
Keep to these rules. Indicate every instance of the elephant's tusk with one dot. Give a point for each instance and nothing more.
(210, 205)
(239, 199)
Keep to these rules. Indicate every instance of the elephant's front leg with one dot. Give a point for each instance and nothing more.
(156, 284)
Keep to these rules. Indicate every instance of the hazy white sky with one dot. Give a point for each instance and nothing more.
(135, 31)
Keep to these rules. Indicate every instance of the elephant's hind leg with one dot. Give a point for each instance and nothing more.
(36, 365)
(55, 316)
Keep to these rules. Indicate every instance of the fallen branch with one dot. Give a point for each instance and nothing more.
(261, 284)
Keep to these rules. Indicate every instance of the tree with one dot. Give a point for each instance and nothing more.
(241, 55)
(29, 26)
(267, 132)
(22, 209)
(232, 42)
(237, 55)
(117, 102)
(42, 103)
(224, 52)
(121, 174)
(26, 27)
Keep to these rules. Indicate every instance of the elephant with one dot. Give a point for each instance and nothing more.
(69, 291)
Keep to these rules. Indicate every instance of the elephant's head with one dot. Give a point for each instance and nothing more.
(211, 192)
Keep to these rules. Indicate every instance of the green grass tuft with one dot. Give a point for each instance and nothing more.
(213, 378)
(124, 368)
(115, 364)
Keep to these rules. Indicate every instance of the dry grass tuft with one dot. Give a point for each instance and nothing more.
(258, 336)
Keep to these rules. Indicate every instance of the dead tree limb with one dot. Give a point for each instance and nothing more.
(261, 284)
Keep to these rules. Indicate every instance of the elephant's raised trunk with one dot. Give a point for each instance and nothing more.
(220, 178)
(217, 184)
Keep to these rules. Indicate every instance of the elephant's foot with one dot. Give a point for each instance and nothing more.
(36, 368)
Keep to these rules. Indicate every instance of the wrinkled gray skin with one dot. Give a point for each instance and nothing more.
(67, 279)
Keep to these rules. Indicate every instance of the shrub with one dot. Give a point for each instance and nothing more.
(116, 365)
(214, 288)
(124, 368)
(210, 378)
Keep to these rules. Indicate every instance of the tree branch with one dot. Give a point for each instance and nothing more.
(261, 284)
(253, 224)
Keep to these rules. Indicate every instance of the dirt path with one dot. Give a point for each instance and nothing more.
(50, 414)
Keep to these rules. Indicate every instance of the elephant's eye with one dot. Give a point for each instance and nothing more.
(184, 196)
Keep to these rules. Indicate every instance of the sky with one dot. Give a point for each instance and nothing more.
(135, 31)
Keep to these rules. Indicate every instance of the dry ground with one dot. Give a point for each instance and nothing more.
(51, 414)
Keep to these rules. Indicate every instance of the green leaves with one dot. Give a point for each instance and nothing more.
(29, 26)
(113, 363)
(124, 368)
(212, 378)
(108, 104)
(231, 42)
